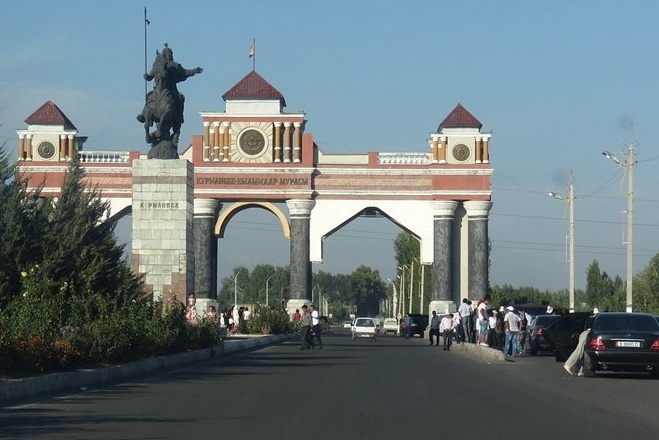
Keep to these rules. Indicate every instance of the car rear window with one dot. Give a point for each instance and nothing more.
(639, 323)
(365, 323)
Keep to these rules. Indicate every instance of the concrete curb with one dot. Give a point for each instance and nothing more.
(15, 389)
(485, 353)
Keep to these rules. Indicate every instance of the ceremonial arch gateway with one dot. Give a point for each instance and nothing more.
(254, 155)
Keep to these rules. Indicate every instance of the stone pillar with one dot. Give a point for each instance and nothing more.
(163, 234)
(479, 150)
(287, 141)
(277, 157)
(21, 147)
(62, 147)
(28, 148)
(70, 147)
(205, 248)
(300, 217)
(442, 149)
(434, 149)
(206, 144)
(478, 247)
(227, 142)
(486, 150)
(442, 299)
(297, 146)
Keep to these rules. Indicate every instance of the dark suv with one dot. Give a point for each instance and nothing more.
(419, 324)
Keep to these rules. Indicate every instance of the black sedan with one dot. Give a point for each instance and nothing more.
(622, 342)
(536, 341)
(563, 333)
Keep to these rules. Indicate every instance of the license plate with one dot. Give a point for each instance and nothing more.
(635, 344)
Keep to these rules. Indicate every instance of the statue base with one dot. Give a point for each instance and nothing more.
(163, 150)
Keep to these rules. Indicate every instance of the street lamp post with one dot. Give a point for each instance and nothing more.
(402, 289)
(395, 299)
(629, 166)
(267, 302)
(411, 285)
(235, 289)
(570, 201)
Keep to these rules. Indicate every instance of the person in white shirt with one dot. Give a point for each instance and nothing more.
(491, 329)
(511, 323)
(481, 312)
(447, 327)
(465, 319)
(315, 325)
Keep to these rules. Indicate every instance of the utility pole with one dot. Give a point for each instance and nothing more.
(629, 168)
(569, 198)
(630, 225)
(571, 257)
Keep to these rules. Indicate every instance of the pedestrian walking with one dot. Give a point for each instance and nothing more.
(315, 326)
(407, 325)
(305, 328)
(434, 328)
(511, 322)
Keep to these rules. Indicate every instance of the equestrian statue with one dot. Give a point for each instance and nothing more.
(164, 105)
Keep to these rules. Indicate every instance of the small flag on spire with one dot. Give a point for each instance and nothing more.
(252, 51)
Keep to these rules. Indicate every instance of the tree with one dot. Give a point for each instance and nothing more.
(79, 245)
(368, 289)
(646, 288)
(21, 228)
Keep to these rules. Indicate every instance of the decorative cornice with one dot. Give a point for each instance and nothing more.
(477, 209)
(300, 207)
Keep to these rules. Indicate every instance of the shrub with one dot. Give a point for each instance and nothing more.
(266, 320)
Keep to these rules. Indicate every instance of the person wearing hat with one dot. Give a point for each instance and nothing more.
(511, 323)
(447, 326)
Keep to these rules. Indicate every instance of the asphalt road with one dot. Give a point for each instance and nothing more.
(388, 389)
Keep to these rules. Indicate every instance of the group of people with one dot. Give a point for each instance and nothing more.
(503, 329)
(230, 318)
(444, 325)
(308, 323)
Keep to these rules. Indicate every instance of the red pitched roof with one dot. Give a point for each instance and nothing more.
(253, 86)
(460, 118)
(50, 114)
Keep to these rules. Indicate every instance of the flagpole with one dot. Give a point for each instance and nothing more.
(254, 57)
(146, 22)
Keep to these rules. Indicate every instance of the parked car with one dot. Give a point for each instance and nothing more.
(563, 333)
(347, 323)
(390, 325)
(419, 324)
(364, 328)
(536, 342)
(622, 342)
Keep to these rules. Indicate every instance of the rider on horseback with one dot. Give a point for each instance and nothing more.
(164, 104)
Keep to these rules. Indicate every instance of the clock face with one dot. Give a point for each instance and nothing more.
(252, 142)
(461, 152)
(46, 150)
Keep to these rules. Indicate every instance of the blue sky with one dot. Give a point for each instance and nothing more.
(556, 82)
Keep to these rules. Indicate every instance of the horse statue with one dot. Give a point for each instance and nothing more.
(164, 105)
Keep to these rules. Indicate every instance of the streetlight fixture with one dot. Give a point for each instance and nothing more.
(395, 299)
(267, 302)
(402, 288)
(235, 289)
(628, 166)
(411, 284)
(570, 201)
